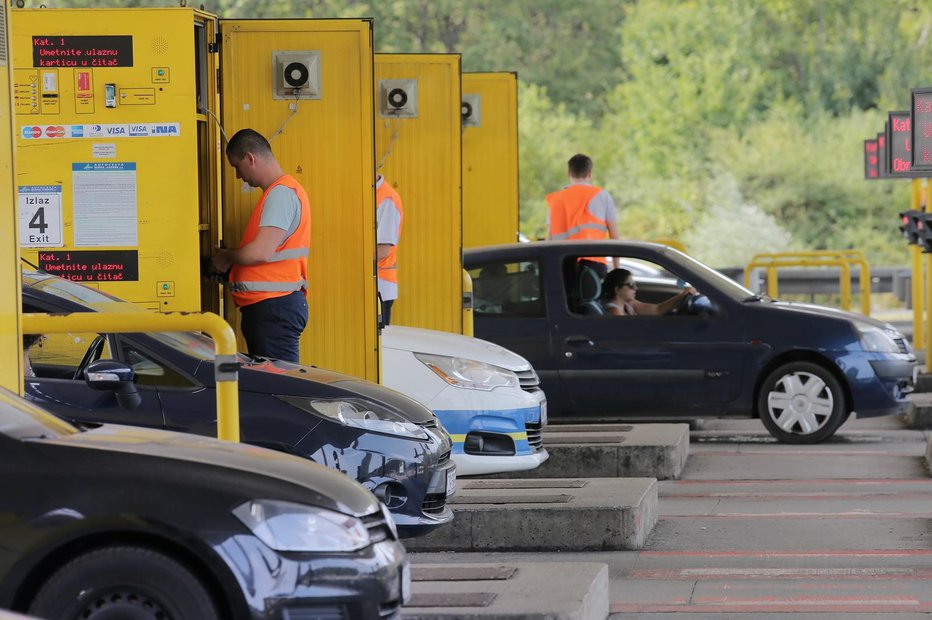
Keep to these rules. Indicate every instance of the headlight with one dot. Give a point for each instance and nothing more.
(876, 339)
(285, 526)
(468, 373)
(359, 413)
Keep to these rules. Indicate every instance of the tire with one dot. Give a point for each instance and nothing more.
(125, 582)
(802, 403)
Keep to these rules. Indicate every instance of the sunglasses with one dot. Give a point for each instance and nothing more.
(632, 285)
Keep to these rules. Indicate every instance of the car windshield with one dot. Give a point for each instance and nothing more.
(21, 419)
(194, 344)
(722, 282)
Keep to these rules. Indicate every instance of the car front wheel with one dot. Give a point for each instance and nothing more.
(801, 403)
(126, 582)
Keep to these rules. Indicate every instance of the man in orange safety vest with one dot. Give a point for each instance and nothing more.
(268, 271)
(581, 210)
(389, 216)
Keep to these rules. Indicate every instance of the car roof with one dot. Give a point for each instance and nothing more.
(607, 247)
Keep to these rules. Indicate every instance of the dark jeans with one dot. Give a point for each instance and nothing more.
(387, 312)
(272, 327)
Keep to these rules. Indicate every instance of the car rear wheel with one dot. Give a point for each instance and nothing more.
(125, 583)
(802, 403)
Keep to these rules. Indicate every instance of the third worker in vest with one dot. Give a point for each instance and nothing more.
(268, 278)
(389, 214)
(581, 210)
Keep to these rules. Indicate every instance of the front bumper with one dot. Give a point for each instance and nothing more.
(368, 583)
(879, 383)
(412, 478)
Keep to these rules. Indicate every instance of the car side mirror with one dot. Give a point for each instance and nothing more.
(115, 376)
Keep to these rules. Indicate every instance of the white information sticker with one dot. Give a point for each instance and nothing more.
(40, 219)
(105, 204)
(103, 151)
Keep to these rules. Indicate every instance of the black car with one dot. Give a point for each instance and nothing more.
(725, 352)
(122, 522)
(390, 443)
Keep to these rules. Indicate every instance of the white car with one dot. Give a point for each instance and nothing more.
(487, 397)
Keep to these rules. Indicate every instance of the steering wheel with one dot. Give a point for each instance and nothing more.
(91, 355)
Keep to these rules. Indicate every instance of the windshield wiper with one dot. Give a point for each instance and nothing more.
(755, 298)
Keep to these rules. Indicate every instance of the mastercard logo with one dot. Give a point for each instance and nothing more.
(55, 131)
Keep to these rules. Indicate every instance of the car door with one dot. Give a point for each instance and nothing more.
(510, 307)
(58, 362)
(648, 365)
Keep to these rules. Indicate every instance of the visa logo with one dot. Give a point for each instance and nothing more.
(115, 130)
(138, 130)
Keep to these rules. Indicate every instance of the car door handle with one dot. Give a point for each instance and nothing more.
(577, 341)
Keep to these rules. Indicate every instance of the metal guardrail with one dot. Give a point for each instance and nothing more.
(842, 259)
(226, 368)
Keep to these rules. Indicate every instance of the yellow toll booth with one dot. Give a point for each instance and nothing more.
(490, 158)
(11, 345)
(117, 149)
(419, 147)
(306, 85)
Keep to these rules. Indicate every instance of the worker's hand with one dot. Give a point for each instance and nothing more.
(222, 260)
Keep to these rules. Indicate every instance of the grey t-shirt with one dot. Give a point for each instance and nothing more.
(282, 209)
(601, 206)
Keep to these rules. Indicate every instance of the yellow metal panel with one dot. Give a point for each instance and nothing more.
(490, 161)
(124, 171)
(424, 163)
(327, 146)
(11, 346)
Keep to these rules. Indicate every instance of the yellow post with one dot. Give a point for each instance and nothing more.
(467, 304)
(11, 344)
(226, 368)
(772, 286)
(845, 284)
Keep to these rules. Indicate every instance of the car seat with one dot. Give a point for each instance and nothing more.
(589, 288)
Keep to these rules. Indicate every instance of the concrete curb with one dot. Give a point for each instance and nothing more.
(552, 590)
(547, 515)
(632, 451)
(919, 415)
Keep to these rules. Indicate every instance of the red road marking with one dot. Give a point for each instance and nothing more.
(803, 515)
(823, 553)
(812, 481)
(786, 573)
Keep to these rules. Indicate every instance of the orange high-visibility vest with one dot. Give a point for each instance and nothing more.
(388, 266)
(570, 217)
(286, 271)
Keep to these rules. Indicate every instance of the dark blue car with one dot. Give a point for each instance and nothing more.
(391, 444)
(726, 352)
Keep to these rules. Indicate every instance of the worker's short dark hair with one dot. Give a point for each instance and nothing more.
(579, 165)
(248, 141)
(30, 339)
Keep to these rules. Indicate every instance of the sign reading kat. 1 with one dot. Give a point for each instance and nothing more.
(40, 220)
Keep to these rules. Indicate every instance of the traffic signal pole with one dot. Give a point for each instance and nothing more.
(919, 292)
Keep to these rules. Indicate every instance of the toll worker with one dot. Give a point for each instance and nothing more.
(582, 211)
(389, 216)
(268, 271)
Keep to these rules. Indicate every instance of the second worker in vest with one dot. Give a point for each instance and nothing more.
(581, 210)
(268, 271)
(389, 215)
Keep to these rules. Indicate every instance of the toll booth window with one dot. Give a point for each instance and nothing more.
(507, 289)
(64, 356)
(150, 370)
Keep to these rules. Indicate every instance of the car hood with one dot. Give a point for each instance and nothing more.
(315, 484)
(435, 342)
(288, 379)
(822, 311)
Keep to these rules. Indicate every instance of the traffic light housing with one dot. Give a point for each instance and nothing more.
(909, 226)
(924, 231)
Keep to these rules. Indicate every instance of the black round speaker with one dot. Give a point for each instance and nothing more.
(397, 98)
(466, 110)
(296, 74)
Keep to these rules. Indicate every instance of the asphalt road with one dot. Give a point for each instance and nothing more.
(756, 529)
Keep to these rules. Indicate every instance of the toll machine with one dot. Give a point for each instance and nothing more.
(419, 150)
(118, 149)
(490, 158)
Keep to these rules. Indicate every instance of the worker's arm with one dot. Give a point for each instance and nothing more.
(259, 250)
